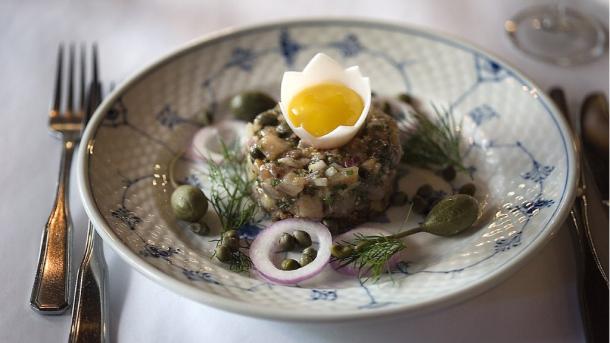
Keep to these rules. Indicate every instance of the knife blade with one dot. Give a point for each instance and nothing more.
(592, 279)
(594, 132)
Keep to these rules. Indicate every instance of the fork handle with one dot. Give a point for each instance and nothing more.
(89, 311)
(51, 291)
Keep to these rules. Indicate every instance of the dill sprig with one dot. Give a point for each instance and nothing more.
(370, 255)
(434, 142)
(230, 196)
(230, 189)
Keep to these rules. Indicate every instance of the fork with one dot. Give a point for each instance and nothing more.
(89, 313)
(51, 290)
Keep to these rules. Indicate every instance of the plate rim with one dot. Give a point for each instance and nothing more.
(235, 306)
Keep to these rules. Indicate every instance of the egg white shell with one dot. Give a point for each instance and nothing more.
(323, 69)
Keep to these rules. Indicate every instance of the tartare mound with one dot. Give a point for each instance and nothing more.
(343, 187)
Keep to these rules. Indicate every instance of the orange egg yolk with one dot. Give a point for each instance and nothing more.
(322, 108)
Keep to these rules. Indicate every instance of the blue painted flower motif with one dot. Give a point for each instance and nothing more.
(483, 113)
(126, 216)
(168, 117)
(350, 46)
(156, 252)
(321, 294)
(242, 58)
(531, 208)
(538, 173)
(288, 47)
(489, 70)
(249, 231)
(200, 276)
(504, 244)
(117, 114)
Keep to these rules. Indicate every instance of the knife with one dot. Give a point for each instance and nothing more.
(594, 131)
(592, 278)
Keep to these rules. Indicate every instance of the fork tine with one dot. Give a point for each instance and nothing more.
(81, 106)
(95, 89)
(57, 92)
(70, 99)
(95, 67)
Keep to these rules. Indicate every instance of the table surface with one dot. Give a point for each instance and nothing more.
(536, 304)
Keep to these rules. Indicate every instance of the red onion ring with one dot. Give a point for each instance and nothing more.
(351, 269)
(266, 243)
(206, 142)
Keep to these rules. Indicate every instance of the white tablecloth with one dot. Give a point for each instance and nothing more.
(536, 304)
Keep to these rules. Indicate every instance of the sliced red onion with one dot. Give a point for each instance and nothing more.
(266, 244)
(351, 269)
(206, 142)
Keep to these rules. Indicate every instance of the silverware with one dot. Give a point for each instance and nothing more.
(594, 129)
(592, 279)
(89, 314)
(51, 290)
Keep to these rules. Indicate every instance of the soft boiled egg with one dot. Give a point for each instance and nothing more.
(325, 105)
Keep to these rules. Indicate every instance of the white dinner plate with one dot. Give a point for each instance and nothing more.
(517, 144)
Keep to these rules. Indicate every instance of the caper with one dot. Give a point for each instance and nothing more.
(256, 153)
(452, 215)
(231, 243)
(188, 203)
(230, 239)
(406, 98)
(283, 130)
(448, 173)
(386, 108)
(341, 251)
(425, 190)
(287, 242)
(307, 259)
(419, 204)
(247, 105)
(310, 251)
(223, 254)
(468, 189)
(398, 199)
(302, 238)
(289, 264)
(266, 119)
(230, 233)
(363, 173)
(199, 228)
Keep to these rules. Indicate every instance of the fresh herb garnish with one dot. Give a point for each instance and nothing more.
(230, 191)
(434, 142)
(371, 254)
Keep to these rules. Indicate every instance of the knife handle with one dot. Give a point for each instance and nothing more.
(592, 289)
